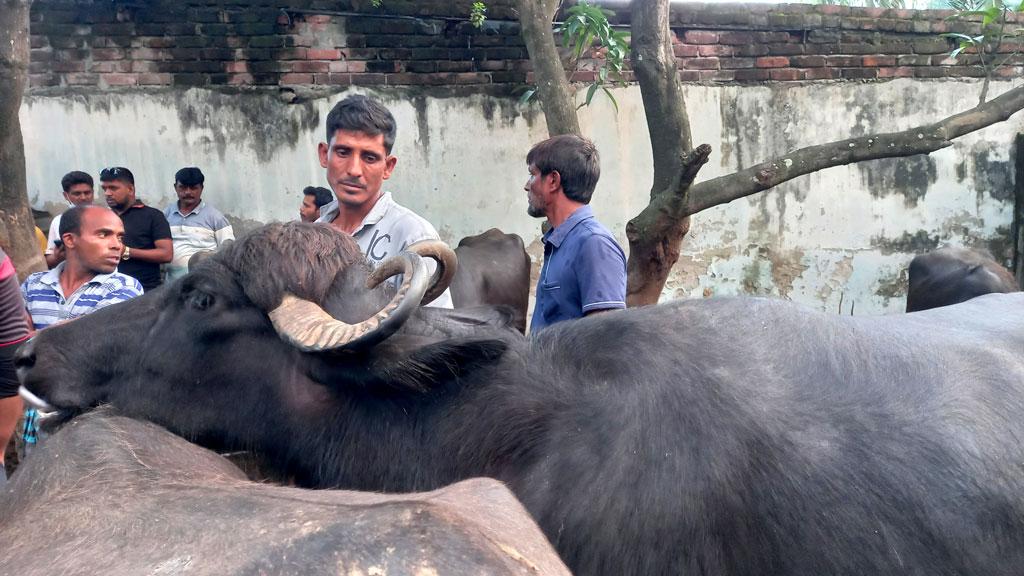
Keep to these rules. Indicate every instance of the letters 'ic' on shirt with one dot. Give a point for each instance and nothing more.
(385, 231)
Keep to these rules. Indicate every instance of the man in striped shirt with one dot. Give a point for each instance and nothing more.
(195, 225)
(87, 280)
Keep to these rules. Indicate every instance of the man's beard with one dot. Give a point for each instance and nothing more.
(535, 211)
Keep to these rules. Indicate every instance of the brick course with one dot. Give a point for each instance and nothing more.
(233, 42)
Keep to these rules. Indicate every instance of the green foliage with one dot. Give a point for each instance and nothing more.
(967, 5)
(898, 4)
(527, 95)
(988, 43)
(377, 3)
(993, 29)
(478, 14)
(586, 24)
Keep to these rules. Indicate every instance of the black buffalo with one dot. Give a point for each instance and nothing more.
(952, 275)
(717, 437)
(112, 495)
(494, 269)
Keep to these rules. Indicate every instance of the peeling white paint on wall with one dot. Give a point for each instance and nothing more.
(839, 235)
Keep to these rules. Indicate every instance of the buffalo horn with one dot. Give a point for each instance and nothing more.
(309, 327)
(447, 263)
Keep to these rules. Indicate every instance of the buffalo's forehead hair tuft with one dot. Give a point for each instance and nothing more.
(294, 257)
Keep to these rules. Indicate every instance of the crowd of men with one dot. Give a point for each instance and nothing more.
(101, 256)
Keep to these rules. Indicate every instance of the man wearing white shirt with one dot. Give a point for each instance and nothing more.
(78, 191)
(195, 225)
(357, 156)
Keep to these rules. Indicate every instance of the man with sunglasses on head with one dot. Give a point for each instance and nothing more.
(147, 235)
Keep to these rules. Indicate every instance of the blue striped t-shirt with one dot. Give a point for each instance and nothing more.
(48, 305)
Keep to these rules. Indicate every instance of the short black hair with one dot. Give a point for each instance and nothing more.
(321, 195)
(359, 113)
(117, 173)
(75, 177)
(71, 220)
(190, 176)
(576, 160)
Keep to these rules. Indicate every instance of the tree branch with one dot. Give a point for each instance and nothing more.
(654, 64)
(920, 140)
(556, 95)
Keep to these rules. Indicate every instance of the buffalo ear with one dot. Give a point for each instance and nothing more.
(408, 363)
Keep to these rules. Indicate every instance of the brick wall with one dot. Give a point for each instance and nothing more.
(316, 42)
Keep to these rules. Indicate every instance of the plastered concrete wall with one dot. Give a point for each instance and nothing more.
(837, 239)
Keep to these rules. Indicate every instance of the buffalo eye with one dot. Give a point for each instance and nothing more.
(199, 300)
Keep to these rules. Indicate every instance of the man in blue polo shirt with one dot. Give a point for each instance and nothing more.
(584, 268)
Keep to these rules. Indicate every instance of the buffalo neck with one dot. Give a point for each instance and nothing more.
(385, 438)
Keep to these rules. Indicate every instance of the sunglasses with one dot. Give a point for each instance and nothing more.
(116, 173)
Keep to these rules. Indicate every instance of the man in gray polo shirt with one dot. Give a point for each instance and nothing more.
(357, 156)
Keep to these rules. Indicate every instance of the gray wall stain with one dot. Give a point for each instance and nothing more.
(892, 284)
(419, 104)
(732, 152)
(909, 177)
(918, 242)
(753, 280)
(1001, 246)
(256, 119)
(993, 172)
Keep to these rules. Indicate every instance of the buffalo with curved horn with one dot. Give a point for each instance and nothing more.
(720, 437)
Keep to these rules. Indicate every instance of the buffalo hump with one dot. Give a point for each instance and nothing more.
(112, 495)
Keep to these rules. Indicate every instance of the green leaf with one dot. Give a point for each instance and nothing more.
(590, 95)
(956, 52)
(961, 37)
(612, 98)
(991, 15)
(527, 95)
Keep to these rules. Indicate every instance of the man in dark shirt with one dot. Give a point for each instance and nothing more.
(147, 235)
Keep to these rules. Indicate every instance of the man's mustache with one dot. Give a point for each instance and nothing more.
(353, 183)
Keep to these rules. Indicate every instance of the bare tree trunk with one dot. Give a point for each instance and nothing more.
(17, 233)
(656, 234)
(553, 89)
